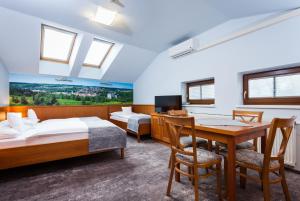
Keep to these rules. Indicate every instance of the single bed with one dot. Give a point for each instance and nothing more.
(59, 139)
(135, 123)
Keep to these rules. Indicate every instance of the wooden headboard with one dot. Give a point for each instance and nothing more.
(3, 111)
(146, 109)
(56, 112)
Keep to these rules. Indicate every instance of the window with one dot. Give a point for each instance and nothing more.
(201, 92)
(273, 87)
(56, 44)
(97, 53)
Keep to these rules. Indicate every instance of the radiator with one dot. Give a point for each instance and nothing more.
(290, 154)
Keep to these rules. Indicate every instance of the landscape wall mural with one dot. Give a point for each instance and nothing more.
(54, 90)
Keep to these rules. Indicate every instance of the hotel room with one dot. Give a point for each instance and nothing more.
(149, 100)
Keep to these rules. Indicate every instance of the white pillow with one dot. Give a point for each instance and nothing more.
(127, 110)
(4, 123)
(30, 122)
(15, 121)
(32, 115)
(8, 133)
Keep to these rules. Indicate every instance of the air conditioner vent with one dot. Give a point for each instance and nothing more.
(184, 48)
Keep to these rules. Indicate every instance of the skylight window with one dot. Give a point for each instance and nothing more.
(97, 53)
(57, 44)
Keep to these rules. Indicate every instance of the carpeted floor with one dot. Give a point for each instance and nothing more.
(142, 175)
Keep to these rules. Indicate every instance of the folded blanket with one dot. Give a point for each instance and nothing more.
(135, 120)
(104, 134)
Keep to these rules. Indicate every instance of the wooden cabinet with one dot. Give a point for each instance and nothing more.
(158, 129)
(155, 127)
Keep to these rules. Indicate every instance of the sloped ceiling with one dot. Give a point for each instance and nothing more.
(20, 38)
(143, 28)
(149, 24)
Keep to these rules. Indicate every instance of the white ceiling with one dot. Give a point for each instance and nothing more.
(142, 29)
(149, 24)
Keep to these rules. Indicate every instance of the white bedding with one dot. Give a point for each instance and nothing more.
(57, 126)
(51, 130)
(118, 118)
(124, 117)
(54, 127)
(23, 140)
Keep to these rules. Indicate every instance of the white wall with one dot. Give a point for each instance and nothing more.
(275, 46)
(4, 86)
(278, 45)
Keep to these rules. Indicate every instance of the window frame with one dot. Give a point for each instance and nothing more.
(200, 83)
(42, 44)
(105, 56)
(291, 100)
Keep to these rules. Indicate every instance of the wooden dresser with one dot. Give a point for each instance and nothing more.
(158, 130)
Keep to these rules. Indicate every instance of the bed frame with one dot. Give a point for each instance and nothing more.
(144, 128)
(28, 155)
(60, 148)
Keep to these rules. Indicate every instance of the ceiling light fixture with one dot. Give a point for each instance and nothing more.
(105, 16)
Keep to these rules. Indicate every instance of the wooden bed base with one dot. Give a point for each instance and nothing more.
(28, 155)
(144, 129)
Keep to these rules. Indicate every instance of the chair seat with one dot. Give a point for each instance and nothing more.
(187, 141)
(203, 156)
(243, 145)
(252, 158)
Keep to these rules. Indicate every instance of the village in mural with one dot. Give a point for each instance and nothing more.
(50, 90)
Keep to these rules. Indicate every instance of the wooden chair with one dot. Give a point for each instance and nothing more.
(186, 140)
(244, 116)
(192, 157)
(265, 163)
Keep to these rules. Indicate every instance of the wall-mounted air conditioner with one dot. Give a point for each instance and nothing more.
(184, 48)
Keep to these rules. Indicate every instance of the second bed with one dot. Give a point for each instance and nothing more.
(135, 123)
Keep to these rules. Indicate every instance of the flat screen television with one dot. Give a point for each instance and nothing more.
(165, 103)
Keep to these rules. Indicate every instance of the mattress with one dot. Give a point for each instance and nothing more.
(119, 118)
(123, 117)
(23, 141)
(51, 131)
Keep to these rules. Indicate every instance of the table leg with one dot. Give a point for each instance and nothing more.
(231, 171)
(177, 174)
(209, 145)
(263, 141)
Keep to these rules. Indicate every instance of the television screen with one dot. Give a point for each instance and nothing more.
(166, 103)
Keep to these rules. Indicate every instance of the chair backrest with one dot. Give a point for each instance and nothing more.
(247, 116)
(178, 113)
(175, 126)
(286, 127)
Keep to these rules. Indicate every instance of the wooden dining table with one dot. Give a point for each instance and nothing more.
(231, 135)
